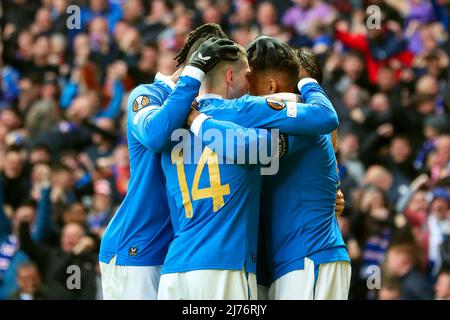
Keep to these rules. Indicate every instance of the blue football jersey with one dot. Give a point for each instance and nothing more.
(214, 208)
(298, 202)
(297, 208)
(140, 231)
(217, 204)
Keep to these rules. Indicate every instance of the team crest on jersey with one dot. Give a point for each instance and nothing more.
(140, 102)
(276, 104)
(133, 251)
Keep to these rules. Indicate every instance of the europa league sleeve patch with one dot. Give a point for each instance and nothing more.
(276, 104)
(140, 102)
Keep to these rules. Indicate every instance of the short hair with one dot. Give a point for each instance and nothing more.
(309, 61)
(445, 269)
(60, 167)
(14, 149)
(408, 248)
(41, 146)
(196, 38)
(27, 265)
(221, 66)
(402, 136)
(287, 62)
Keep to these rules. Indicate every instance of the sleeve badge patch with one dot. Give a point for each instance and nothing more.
(140, 102)
(276, 104)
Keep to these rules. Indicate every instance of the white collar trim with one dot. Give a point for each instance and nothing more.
(166, 79)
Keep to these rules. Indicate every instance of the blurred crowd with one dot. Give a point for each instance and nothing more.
(64, 160)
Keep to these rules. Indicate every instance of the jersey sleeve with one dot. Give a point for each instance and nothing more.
(238, 144)
(315, 116)
(152, 115)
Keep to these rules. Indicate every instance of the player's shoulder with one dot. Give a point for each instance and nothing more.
(286, 96)
(146, 95)
(154, 88)
(276, 101)
(242, 102)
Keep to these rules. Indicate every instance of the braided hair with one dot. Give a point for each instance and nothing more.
(196, 38)
(310, 62)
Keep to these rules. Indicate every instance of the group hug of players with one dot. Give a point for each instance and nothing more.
(210, 229)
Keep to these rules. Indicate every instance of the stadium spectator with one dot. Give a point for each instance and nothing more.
(11, 257)
(442, 286)
(30, 283)
(75, 249)
(438, 220)
(16, 180)
(390, 289)
(402, 263)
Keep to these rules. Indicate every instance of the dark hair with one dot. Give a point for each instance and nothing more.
(309, 61)
(14, 148)
(196, 38)
(41, 146)
(420, 98)
(59, 167)
(286, 62)
(356, 54)
(402, 136)
(445, 269)
(443, 183)
(29, 202)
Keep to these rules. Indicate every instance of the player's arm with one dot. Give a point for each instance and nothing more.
(230, 140)
(152, 119)
(153, 124)
(236, 143)
(315, 116)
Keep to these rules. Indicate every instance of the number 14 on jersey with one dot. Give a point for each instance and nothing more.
(216, 190)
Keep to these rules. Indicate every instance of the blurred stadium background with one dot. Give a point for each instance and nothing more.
(64, 161)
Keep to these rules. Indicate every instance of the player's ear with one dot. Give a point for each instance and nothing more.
(229, 76)
(272, 86)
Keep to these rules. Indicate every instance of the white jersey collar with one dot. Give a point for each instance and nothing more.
(166, 79)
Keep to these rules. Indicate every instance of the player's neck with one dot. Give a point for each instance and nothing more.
(221, 91)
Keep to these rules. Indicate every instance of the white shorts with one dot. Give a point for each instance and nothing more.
(129, 282)
(208, 285)
(332, 283)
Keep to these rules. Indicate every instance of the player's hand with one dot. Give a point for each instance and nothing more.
(191, 117)
(212, 52)
(340, 203)
(268, 48)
